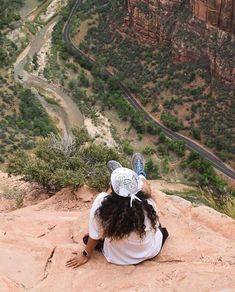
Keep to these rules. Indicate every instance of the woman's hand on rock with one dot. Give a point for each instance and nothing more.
(77, 261)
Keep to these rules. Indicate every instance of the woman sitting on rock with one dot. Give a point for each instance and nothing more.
(124, 223)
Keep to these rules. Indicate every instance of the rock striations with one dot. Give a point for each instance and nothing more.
(35, 242)
(150, 18)
(217, 13)
(197, 30)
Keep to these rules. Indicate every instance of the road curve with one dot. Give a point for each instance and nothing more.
(190, 144)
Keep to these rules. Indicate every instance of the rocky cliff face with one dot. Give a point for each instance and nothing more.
(217, 13)
(199, 30)
(149, 18)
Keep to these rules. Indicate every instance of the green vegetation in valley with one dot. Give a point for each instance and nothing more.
(23, 119)
(9, 12)
(205, 175)
(8, 51)
(185, 90)
(33, 116)
(204, 197)
(171, 121)
(166, 144)
(94, 89)
(72, 160)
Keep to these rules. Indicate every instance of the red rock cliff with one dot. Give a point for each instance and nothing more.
(149, 18)
(218, 13)
(198, 30)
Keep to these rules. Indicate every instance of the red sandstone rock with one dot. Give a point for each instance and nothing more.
(14, 191)
(85, 194)
(218, 13)
(148, 18)
(36, 241)
(68, 199)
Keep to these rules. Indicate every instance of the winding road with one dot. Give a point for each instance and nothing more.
(190, 144)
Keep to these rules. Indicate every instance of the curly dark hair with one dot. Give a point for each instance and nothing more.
(119, 219)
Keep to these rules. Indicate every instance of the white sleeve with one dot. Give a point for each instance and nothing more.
(152, 202)
(95, 230)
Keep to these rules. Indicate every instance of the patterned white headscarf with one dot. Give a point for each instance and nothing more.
(126, 183)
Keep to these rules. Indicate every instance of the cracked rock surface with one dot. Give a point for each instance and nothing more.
(36, 241)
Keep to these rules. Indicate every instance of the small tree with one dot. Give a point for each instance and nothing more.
(35, 61)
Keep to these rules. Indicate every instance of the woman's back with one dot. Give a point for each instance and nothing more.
(132, 248)
(124, 224)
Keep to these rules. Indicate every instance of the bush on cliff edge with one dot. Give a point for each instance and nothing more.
(71, 160)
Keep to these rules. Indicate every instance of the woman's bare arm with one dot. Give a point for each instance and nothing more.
(91, 244)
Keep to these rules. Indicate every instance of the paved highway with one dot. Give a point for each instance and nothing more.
(190, 144)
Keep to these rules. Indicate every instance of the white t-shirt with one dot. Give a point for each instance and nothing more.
(130, 250)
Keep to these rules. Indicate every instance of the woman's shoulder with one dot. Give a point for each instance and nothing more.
(98, 200)
(101, 196)
(152, 203)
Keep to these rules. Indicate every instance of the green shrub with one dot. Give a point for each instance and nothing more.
(35, 61)
(127, 148)
(171, 121)
(196, 132)
(72, 160)
(83, 80)
(148, 150)
(32, 115)
(207, 176)
(151, 169)
(177, 146)
(152, 128)
(162, 138)
(9, 12)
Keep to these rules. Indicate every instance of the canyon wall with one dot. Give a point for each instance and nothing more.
(197, 30)
(218, 13)
(149, 18)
